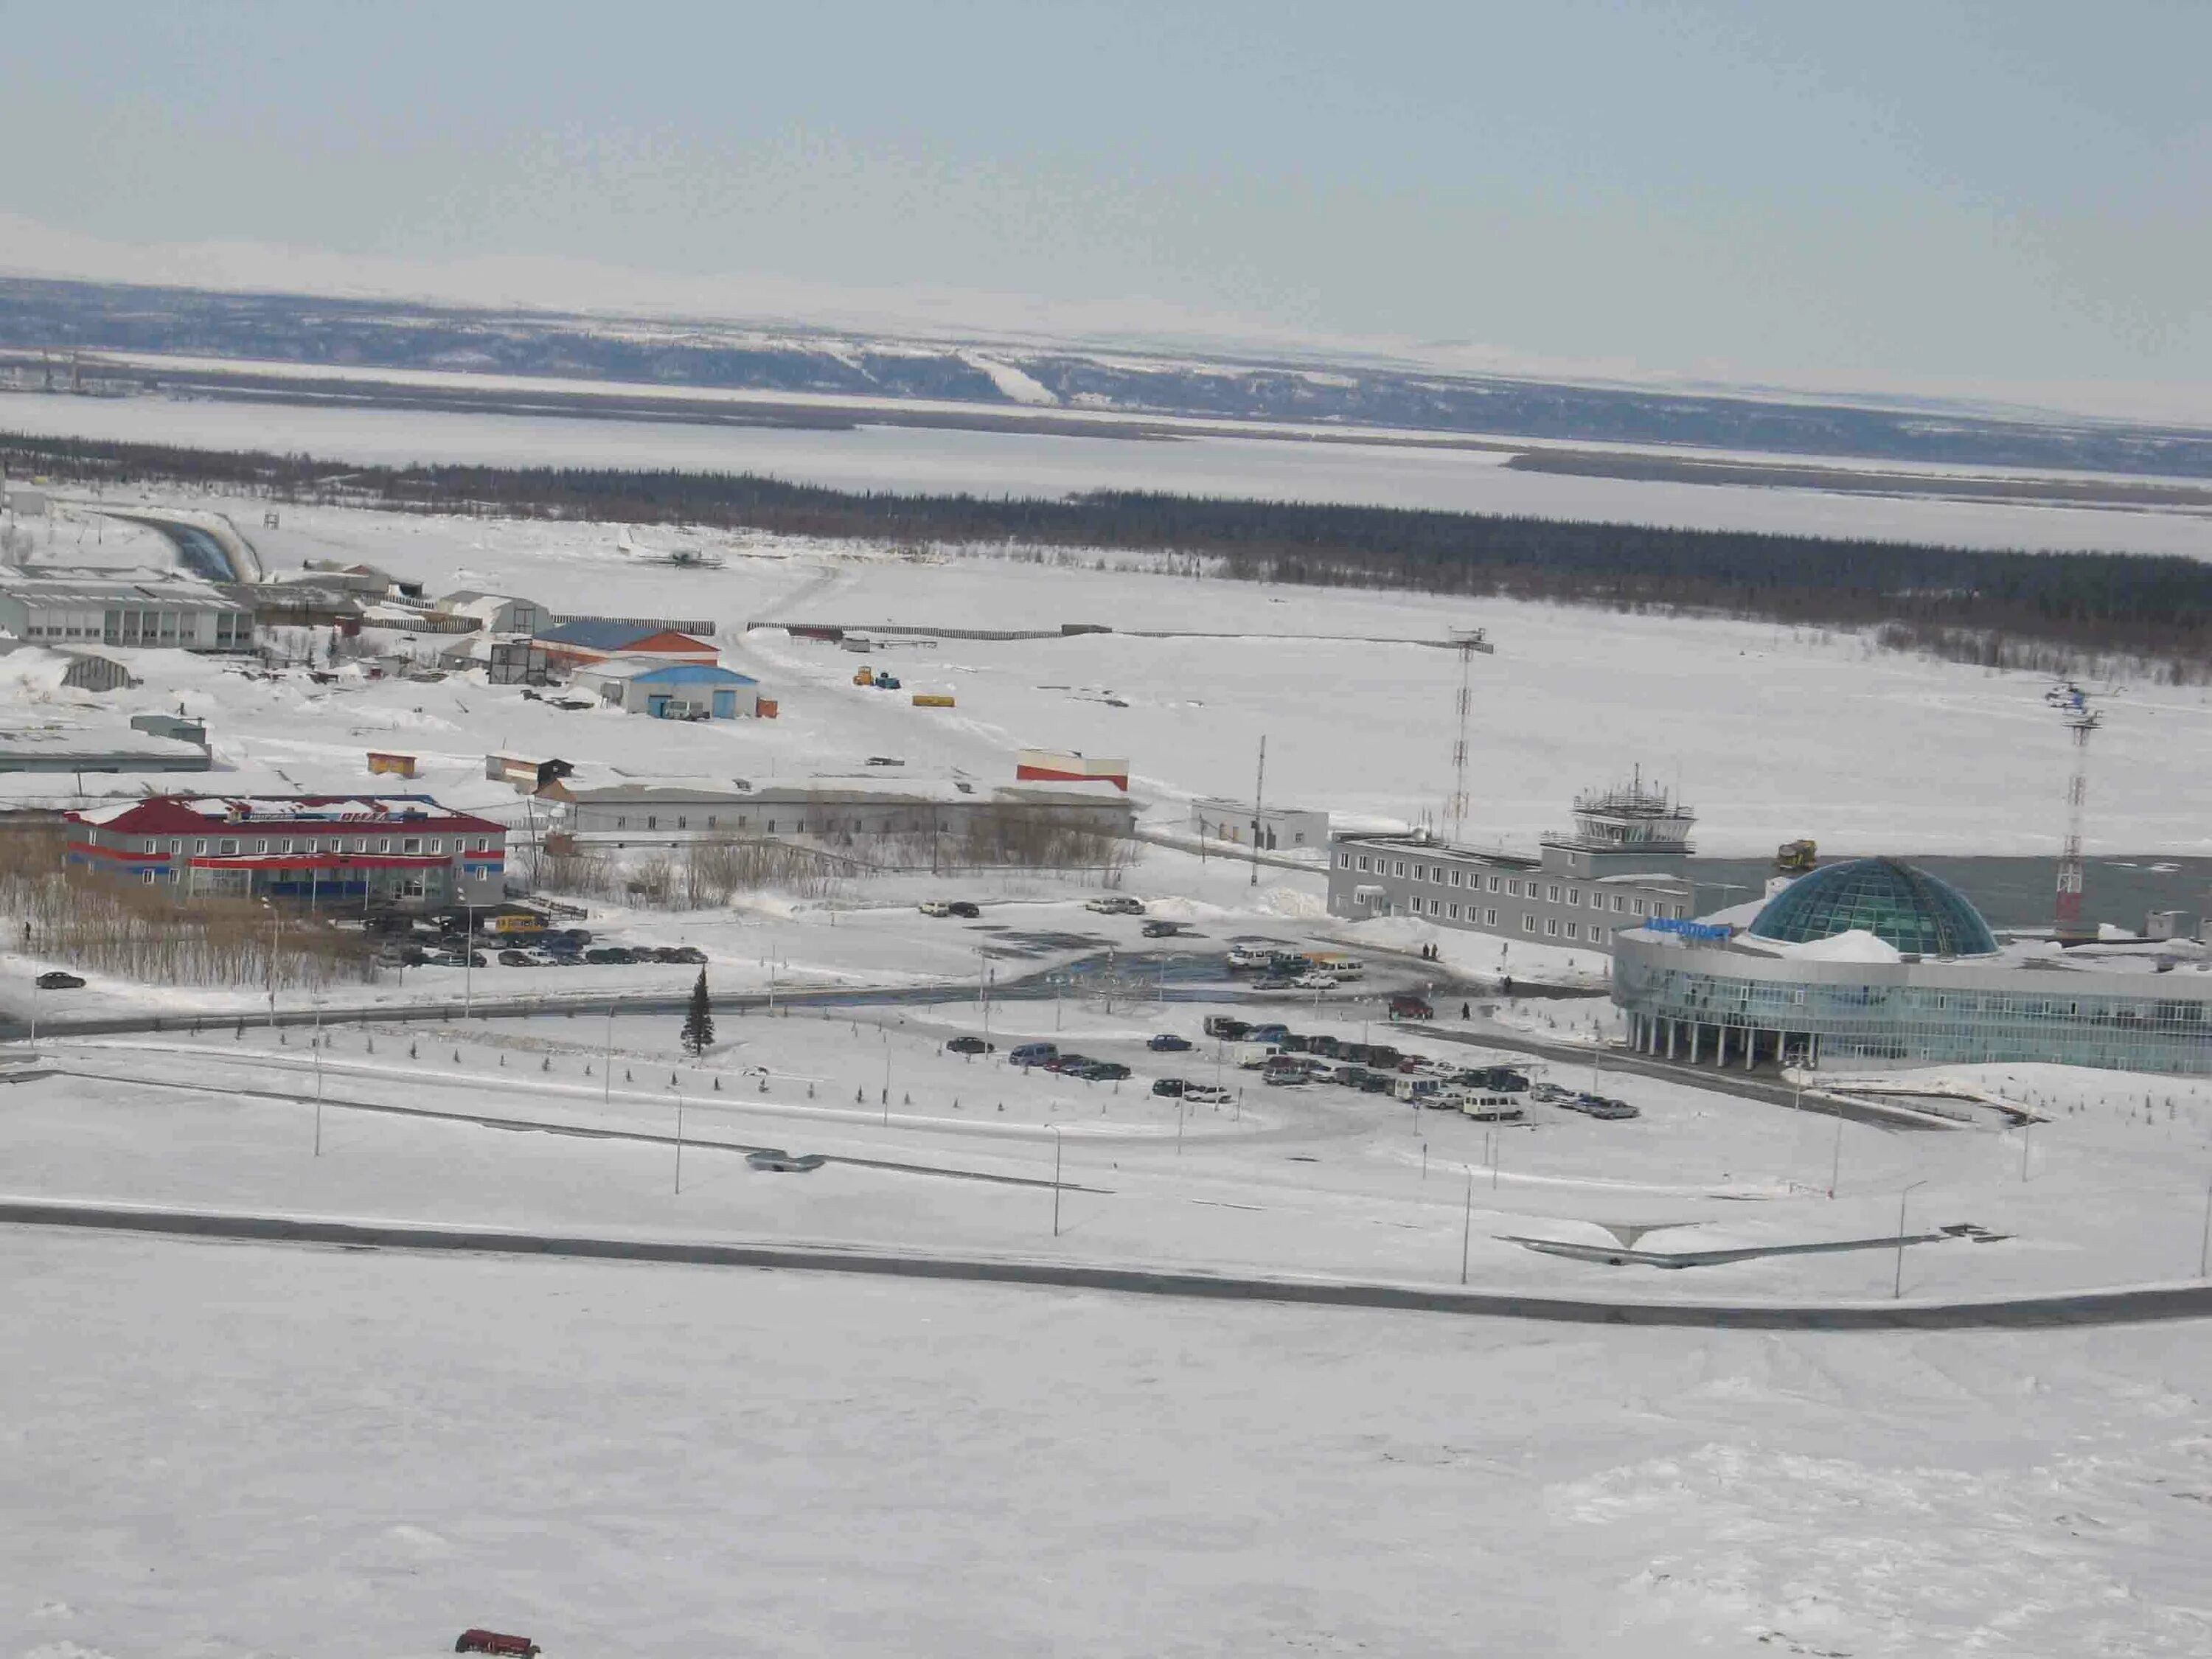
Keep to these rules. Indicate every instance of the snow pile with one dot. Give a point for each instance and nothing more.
(1855, 945)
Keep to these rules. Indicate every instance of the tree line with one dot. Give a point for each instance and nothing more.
(2006, 608)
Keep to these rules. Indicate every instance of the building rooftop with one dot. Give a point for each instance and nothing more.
(610, 634)
(1899, 904)
(158, 815)
(655, 668)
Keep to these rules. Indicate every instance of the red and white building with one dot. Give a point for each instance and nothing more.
(572, 645)
(405, 851)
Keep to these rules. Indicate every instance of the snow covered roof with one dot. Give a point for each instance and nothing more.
(170, 814)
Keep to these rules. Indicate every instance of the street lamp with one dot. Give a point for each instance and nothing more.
(275, 922)
(679, 1140)
(1056, 1144)
(1897, 1289)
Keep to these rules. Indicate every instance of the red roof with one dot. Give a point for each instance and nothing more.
(176, 815)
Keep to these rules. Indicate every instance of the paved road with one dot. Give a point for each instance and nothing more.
(2124, 1307)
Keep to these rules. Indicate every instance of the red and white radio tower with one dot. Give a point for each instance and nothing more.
(2080, 720)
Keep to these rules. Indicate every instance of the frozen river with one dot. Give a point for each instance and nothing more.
(944, 461)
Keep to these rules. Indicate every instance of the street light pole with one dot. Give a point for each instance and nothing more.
(1897, 1288)
(1466, 1228)
(679, 1142)
(607, 1082)
(468, 960)
(318, 1079)
(1056, 1144)
(275, 920)
(2204, 1249)
(1836, 1159)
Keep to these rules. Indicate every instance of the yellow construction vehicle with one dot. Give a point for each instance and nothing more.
(1795, 857)
(864, 675)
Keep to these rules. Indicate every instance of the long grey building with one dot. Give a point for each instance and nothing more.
(92, 608)
(1624, 864)
(835, 809)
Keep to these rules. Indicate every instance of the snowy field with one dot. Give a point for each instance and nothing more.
(913, 459)
(244, 1451)
(1873, 752)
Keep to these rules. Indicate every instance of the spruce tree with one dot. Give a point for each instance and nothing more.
(698, 1019)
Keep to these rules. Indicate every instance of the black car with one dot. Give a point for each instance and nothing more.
(1103, 1071)
(1221, 1026)
(1374, 1083)
(55, 980)
(1167, 1042)
(1292, 1042)
(969, 1045)
(1159, 929)
(514, 959)
(1328, 1048)
(1170, 1086)
(963, 908)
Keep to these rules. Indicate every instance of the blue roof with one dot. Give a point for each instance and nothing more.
(692, 673)
(599, 633)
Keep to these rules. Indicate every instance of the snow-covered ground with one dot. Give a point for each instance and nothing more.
(916, 459)
(1771, 733)
(242, 1451)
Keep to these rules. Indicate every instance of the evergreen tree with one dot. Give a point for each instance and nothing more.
(698, 1019)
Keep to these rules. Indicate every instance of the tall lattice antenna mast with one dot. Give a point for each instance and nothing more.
(2073, 703)
(1467, 641)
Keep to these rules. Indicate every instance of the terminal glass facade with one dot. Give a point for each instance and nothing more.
(1713, 1003)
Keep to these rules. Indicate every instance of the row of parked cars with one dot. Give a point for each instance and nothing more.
(1047, 1057)
(566, 947)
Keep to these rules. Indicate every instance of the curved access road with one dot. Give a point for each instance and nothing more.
(2142, 1305)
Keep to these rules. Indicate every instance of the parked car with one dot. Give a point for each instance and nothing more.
(969, 1045)
(1204, 1094)
(1170, 1086)
(1275, 981)
(1406, 1005)
(55, 980)
(1281, 1071)
(1067, 1063)
(1116, 904)
(1167, 1042)
(1102, 1070)
(1265, 1033)
(936, 907)
(1314, 979)
(491, 1641)
(1327, 1047)
(1160, 929)
(1034, 1054)
(1376, 1083)
(1242, 958)
(514, 959)
(1551, 1093)
(964, 909)
(1290, 1042)
(692, 954)
(1223, 1026)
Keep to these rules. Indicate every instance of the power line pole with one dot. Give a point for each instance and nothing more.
(1259, 789)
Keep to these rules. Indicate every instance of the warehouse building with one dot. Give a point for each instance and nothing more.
(837, 809)
(403, 851)
(494, 613)
(1271, 829)
(587, 640)
(1874, 964)
(672, 690)
(1625, 863)
(147, 610)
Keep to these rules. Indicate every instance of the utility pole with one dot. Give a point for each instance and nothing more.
(1056, 1142)
(679, 1143)
(318, 1079)
(607, 1082)
(2081, 721)
(1836, 1160)
(1468, 641)
(1259, 789)
(1466, 1228)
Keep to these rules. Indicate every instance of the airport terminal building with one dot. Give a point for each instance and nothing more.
(1873, 964)
(1624, 864)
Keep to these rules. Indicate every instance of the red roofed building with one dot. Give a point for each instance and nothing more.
(402, 850)
(572, 645)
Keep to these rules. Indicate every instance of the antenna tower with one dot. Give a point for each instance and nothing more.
(2073, 703)
(1467, 641)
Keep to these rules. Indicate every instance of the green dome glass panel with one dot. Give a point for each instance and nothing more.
(1908, 907)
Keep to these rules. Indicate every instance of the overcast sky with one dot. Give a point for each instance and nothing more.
(2013, 192)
